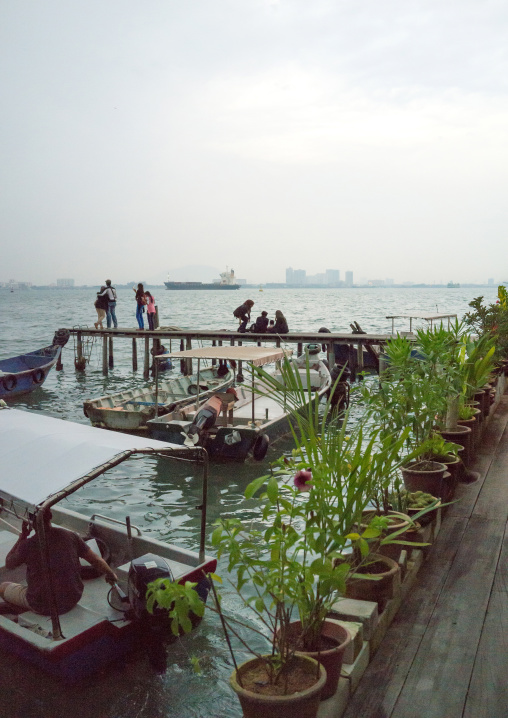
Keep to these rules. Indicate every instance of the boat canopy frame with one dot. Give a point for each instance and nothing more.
(421, 315)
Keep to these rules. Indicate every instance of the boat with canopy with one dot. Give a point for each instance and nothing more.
(44, 460)
(245, 419)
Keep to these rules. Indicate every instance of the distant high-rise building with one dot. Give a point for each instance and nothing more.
(299, 276)
(290, 276)
(332, 276)
(349, 279)
(389, 282)
(65, 282)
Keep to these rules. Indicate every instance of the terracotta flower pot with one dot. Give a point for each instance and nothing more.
(259, 702)
(397, 521)
(426, 476)
(331, 657)
(460, 435)
(379, 591)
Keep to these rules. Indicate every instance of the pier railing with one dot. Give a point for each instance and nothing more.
(356, 346)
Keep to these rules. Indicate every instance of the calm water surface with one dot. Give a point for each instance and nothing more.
(159, 495)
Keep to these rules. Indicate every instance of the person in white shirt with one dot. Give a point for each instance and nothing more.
(110, 292)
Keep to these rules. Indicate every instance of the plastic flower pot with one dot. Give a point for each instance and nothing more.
(258, 701)
(336, 638)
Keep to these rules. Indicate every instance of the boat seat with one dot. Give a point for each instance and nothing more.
(78, 619)
(7, 541)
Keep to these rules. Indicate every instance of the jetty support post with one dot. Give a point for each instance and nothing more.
(146, 366)
(330, 354)
(359, 351)
(79, 348)
(156, 317)
(134, 355)
(105, 355)
(111, 360)
(214, 344)
(299, 349)
(188, 361)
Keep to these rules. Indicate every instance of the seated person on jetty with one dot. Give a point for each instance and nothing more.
(65, 550)
(261, 323)
(281, 325)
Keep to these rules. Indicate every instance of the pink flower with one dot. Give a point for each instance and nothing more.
(302, 480)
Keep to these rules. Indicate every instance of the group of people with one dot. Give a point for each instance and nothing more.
(105, 304)
(262, 324)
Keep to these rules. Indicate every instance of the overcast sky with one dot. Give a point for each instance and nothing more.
(140, 137)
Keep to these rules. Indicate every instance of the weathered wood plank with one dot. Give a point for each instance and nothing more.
(439, 677)
(488, 690)
(385, 677)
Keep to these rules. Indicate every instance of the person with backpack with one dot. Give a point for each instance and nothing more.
(101, 305)
(110, 293)
(242, 313)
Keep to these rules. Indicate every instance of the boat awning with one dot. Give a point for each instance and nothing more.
(40, 455)
(254, 354)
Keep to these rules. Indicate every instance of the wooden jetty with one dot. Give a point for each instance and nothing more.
(359, 344)
(444, 655)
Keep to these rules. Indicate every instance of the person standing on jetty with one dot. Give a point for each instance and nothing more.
(101, 305)
(110, 293)
(140, 302)
(242, 313)
(150, 310)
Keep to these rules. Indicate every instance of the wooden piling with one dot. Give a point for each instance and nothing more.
(111, 360)
(299, 349)
(156, 318)
(105, 355)
(214, 344)
(188, 362)
(146, 366)
(79, 348)
(359, 352)
(134, 355)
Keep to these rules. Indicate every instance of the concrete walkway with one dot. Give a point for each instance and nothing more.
(446, 652)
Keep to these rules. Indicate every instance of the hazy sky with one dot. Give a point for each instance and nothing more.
(139, 137)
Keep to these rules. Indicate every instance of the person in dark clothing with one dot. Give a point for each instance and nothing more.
(140, 305)
(281, 325)
(101, 305)
(261, 324)
(242, 313)
(65, 550)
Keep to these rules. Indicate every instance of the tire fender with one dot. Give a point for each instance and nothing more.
(260, 447)
(38, 376)
(9, 382)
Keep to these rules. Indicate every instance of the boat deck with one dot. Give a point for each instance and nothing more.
(444, 655)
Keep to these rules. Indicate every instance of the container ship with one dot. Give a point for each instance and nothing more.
(226, 281)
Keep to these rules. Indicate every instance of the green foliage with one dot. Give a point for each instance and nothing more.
(180, 601)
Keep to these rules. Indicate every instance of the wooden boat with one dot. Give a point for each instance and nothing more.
(131, 409)
(231, 425)
(26, 372)
(44, 460)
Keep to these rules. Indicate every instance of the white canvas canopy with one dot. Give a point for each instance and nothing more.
(258, 356)
(40, 455)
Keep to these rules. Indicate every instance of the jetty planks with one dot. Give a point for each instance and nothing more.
(444, 655)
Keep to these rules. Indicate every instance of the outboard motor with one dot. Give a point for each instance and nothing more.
(142, 571)
(207, 416)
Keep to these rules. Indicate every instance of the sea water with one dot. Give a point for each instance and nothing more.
(160, 496)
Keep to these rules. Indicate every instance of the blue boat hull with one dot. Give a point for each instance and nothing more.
(24, 373)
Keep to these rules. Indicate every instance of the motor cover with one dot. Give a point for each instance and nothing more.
(143, 570)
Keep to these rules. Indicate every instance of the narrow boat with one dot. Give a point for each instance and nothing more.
(245, 419)
(131, 409)
(26, 372)
(44, 460)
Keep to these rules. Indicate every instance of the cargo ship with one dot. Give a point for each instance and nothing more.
(226, 281)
